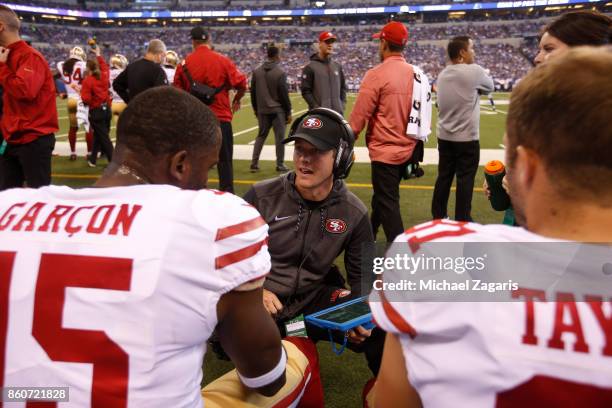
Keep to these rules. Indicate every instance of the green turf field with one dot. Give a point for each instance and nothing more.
(343, 376)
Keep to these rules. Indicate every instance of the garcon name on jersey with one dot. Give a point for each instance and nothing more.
(108, 219)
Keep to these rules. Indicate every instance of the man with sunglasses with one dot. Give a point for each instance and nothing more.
(323, 84)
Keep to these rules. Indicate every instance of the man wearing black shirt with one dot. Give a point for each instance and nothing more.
(142, 74)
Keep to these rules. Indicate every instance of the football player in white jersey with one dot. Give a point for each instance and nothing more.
(172, 60)
(112, 292)
(73, 72)
(118, 63)
(553, 347)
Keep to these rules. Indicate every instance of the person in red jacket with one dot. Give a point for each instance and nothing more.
(29, 118)
(95, 94)
(217, 71)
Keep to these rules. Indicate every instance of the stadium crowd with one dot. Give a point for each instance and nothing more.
(356, 51)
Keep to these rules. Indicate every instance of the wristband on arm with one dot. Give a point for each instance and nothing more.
(269, 377)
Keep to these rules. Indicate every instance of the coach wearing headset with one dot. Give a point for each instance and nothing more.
(312, 209)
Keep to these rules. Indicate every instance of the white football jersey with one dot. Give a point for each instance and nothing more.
(500, 354)
(114, 73)
(169, 73)
(78, 74)
(113, 292)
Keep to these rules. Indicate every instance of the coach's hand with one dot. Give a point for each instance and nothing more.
(359, 335)
(271, 302)
(235, 106)
(4, 53)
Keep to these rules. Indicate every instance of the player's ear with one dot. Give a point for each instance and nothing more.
(180, 168)
(527, 164)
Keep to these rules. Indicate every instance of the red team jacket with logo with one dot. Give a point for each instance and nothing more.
(533, 353)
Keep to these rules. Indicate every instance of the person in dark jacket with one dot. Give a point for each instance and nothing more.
(95, 94)
(312, 208)
(271, 105)
(323, 84)
(142, 74)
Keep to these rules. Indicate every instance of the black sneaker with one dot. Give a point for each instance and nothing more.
(282, 168)
(254, 168)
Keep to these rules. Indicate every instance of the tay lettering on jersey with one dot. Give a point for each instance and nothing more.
(93, 219)
(566, 320)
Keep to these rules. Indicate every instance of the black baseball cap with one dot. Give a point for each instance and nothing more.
(199, 33)
(321, 131)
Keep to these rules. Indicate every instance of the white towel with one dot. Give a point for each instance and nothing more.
(83, 115)
(419, 122)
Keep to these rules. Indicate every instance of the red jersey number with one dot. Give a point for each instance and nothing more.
(77, 76)
(57, 272)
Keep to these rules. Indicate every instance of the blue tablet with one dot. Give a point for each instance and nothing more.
(345, 316)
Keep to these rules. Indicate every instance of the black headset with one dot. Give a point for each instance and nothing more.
(345, 156)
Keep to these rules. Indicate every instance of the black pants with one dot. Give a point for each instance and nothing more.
(30, 162)
(328, 296)
(385, 200)
(461, 159)
(265, 122)
(99, 120)
(226, 155)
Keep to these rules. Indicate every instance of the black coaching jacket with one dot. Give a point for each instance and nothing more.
(305, 239)
(323, 84)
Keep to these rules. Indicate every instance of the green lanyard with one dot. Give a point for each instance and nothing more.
(2, 147)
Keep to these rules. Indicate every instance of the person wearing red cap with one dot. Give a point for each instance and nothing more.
(385, 102)
(323, 84)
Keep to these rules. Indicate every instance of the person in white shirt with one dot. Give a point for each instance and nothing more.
(118, 63)
(113, 291)
(72, 72)
(169, 66)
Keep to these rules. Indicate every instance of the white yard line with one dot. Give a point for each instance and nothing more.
(491, 109)
(242, 132)
(63, 135)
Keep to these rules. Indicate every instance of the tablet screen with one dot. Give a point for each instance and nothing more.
(345, 314)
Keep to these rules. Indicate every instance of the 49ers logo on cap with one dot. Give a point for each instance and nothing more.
(335, 226)
(312, 123)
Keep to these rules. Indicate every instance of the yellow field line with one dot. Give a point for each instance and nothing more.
(249, 182)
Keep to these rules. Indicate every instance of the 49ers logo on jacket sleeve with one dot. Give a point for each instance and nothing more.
(312, 123)
(335, 226)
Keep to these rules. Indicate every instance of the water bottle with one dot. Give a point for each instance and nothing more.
(494, 174)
